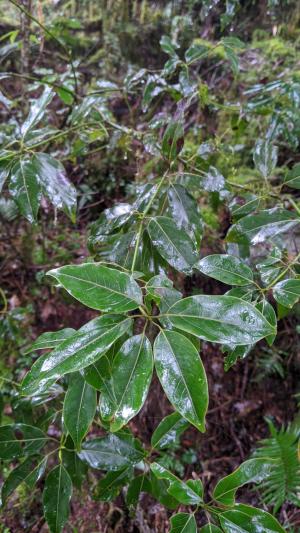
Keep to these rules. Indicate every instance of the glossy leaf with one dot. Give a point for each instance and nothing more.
(195, 52)
(56, 498)
(226, 268)
(168, 431)
(287, 292)
(99, 287)
(28, 472)
(292, 178)
(37, 110)
(243, 204)
(4, 173)
(109, 486)
(79, 408)
(51, 339)
(127, 389)
(54, 183)
(111, 452)
(173, 244)
(221, 319)
(182, 375)
(257, 228)
(210, 528)
(76, 352)
(160, 290)
(265, 157)
(173, 140)
(138, 485)
(17, 440)
(185, 212)
(246, 519)
(251, 471)
(183, 523)
(25, 188)
(76, 468)
(180, 490)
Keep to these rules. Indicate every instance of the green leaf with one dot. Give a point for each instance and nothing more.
(173, 244)
(168, 431)
(79, 408)
(210, 181)
(4, 172)
(28, 472)
(99, 287)
(226, 268)
(160, 289)
(159, 490)
(185, 212)
(183, 523)
(50, 339)
(75, 467)
(97, 375)
(221, 319)
(269, 313)
(112, 452)
(180, 490)
(265, 157)
(65, 95)
(195, 52)
(37, 110)
(127, 389)
(168, 46)
(292, 178)
(210, 528)
(138, 485)
(76, 352)
(243, 204)
(246, 519)
(25, 188)
(56, 498)
(251, 471)
(54, 183)
(173, 140)
(182, 375)
(257, 228)
(287, 292)
(109, 486)
(17, 440)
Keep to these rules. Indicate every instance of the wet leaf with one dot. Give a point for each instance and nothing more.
(246, 519)
(185, 212)
(287, 292)
(292, 178)
(37, 110)
(28, 472)
(183, 523)
(109, 486)
(51, 339)
(18, 440)
(180, 490)
(265, 157)
(173, 140)
(226, 268)
(25, 188)
(56, 498)
(79, 408)
(168, 431)
(112, 452)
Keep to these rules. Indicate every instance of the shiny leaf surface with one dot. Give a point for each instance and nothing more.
(185, 212)
(287, 292)
(226, 268)
(111, 452)
(173, 140)
(168, 431)
(79, 408)
(246, 519)
(25, 189)
(56, 498)
(183, 523)
(17, 440)
(265, 157)
(51, 339)
(292, 178)
(28, 472)
(180, 490)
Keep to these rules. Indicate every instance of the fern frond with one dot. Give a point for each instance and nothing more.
(283, 485)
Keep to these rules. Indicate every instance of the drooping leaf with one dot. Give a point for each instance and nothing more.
(246, 519)
(287, 292)
(56, 498)
(265, 157)
(112, 452)
(173, 140)
(182, 491)
(185, 212)
(37, 110)
(173, 244)
(25, 188)
(226, 268)
(99, 287)
(18, 440)
(251, 471)
(221, 319)
(50, 339)
(76, 352)
(79, 408)
(54, 183)
(128, 386)
(258, 227)
(183, 523)
(292, 178)
(168, 431)
(28, 472)
(182, 376)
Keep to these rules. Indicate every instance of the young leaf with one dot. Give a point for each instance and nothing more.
(265, 157)
(182, 376)
(287, 292)
(246, 519)
(222, 319)
(173, 140)
(25, 188)
(173, 244)
(17, 440)
(28, 472)
(259, 227)
(251, 471)
(111, 452)
(37, 110)
(226, 268)
(52, 178)
(99, 287)
(56, 498)
(76, 352)
(168, 431)
(79, 408)
(183, 523)
(292, 178)
(51, 339)
(184, 493)
(128, 386)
